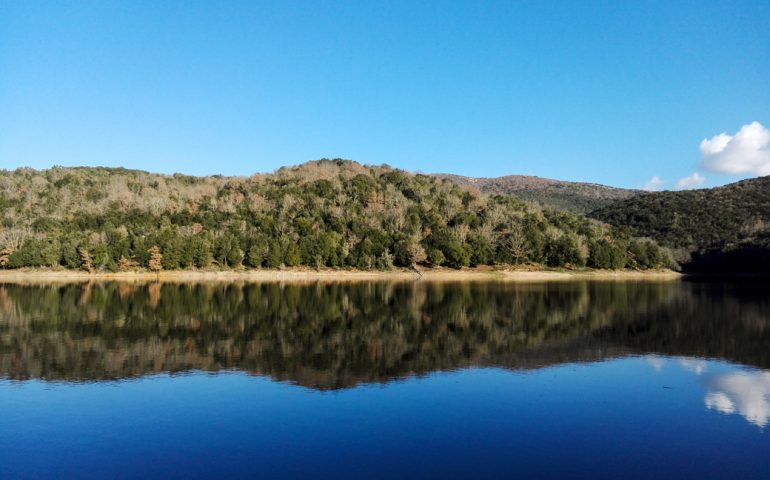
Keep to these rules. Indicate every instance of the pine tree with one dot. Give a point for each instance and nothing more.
(156, 259)
(85, 260)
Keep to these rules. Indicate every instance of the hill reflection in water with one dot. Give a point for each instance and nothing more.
(329, 336)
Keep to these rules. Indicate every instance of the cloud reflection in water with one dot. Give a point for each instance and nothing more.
(745, 393)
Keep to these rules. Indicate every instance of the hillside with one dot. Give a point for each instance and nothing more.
(328, 213)
(723, 228)
(572, 196)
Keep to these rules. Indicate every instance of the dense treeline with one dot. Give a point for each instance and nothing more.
(719, 229)
(329, 213)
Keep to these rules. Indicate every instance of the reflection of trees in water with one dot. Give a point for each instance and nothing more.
(714, 320)
(334, 335)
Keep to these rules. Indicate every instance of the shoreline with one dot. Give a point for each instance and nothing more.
(331, 276)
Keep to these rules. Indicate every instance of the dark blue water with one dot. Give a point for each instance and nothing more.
(405, 381)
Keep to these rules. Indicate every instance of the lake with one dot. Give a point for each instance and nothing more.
(386, 380)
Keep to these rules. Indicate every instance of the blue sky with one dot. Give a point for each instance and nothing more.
(613, 92)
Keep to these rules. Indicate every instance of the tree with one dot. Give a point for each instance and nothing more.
(101, 258)
(126, 265)
(274, 254)
(606, 254)
(5, 254)
(291, 254)
(85, 260)
(457, 256)
(516, 244)
(415, 253)
(536, 240)
(257, 253)
(436, 257)
(480, 250)
(644, 254)
(70, 254)
(460, 233)
(156, 259)
(655, 255)
(227, 251)
(199, 246)
(563, 251)
(385, 261)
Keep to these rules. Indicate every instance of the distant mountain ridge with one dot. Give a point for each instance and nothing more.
(578, 197)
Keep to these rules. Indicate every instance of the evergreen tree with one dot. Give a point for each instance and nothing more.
(85, 260)
(156, 259)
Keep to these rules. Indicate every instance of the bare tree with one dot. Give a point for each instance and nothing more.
(516, 243)
(416, 253)
(12, 238)
(460, 233)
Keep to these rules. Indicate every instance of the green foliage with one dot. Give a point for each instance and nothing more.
(698, 223)
(645, 254)
(274, 254)
(291, 254)
(457, 255)
(606, 254)
(320, 249)
(693, 218)
(102, 260)
(227, 250)
(36, 252)
(436, 257)
(329, 213)
(385, 261)
(69, 257)
(563, 251)
(480, 250)
(200, 250)
(258, 251)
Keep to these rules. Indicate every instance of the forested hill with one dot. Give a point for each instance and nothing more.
(328, 213)
(726, 228)
(576, 197)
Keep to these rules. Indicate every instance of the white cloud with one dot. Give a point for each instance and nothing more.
(693, 181)
(653, 184)
(748, 151)
(745, 393)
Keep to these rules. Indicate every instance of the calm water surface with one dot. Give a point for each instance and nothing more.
(386, 380)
